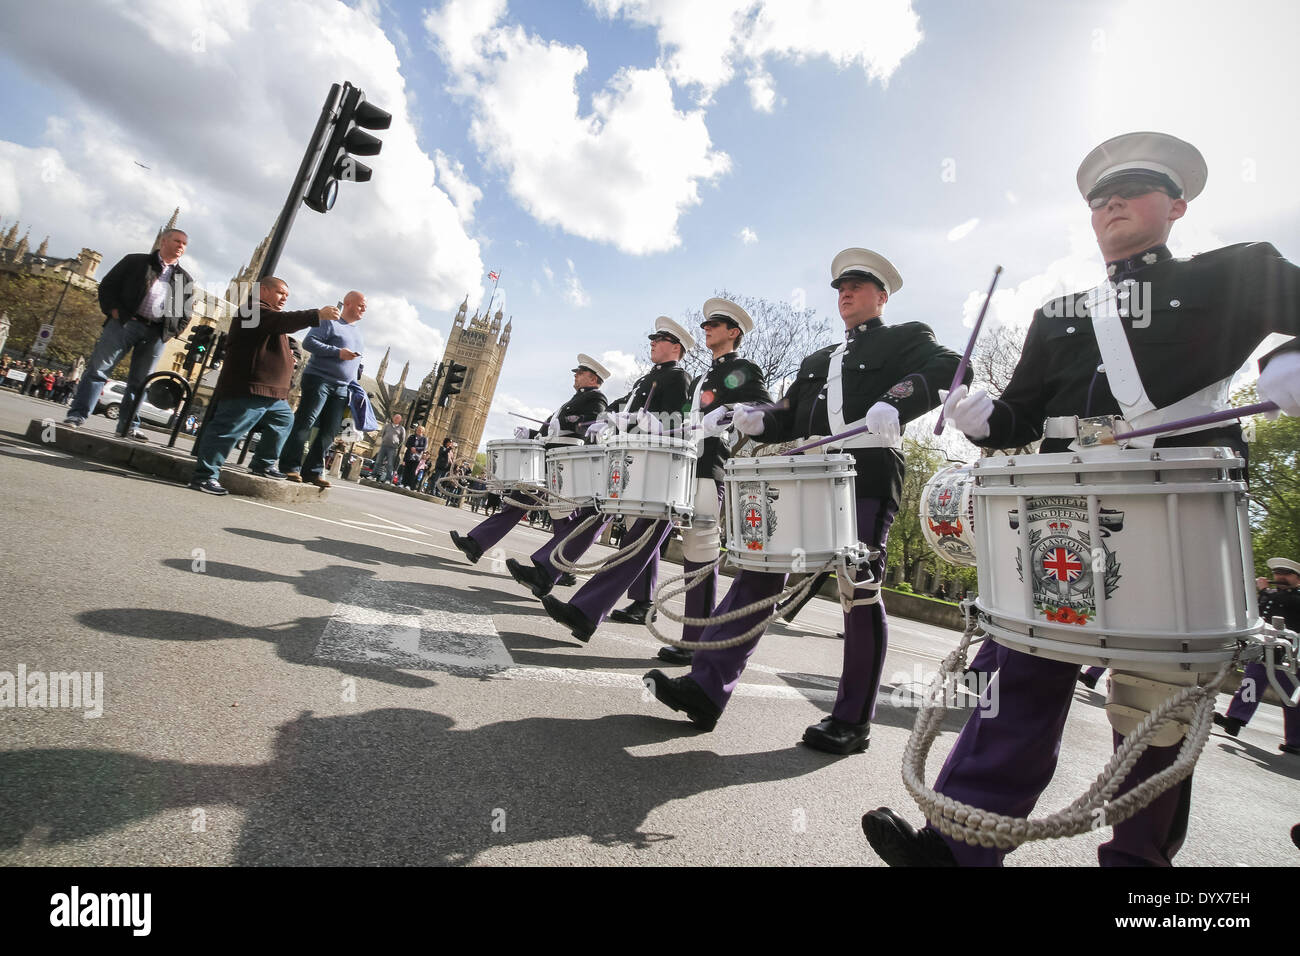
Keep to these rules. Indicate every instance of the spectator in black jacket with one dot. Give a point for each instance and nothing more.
(147, 298)
(415, 446)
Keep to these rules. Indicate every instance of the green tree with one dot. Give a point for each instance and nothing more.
(1274, 485)
(30, 301)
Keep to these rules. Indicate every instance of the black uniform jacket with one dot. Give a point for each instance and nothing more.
(899, 364)
(1283, 602)
(1195, 322)
(669, 381)
(730, 380)
(583, 409)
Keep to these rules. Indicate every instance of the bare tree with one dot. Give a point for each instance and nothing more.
(992, 364)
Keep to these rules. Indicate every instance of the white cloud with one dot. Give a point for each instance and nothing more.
(958, 233)
(574, 293)
(623, 371)
(623, 173)
(1011, 197)
(703, 44)
(223, 137)
(501, 424)
(748, 236)
(451, 177)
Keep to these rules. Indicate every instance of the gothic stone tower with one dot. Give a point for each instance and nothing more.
(480, 346)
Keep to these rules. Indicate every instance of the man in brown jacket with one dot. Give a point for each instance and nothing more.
(254, 385)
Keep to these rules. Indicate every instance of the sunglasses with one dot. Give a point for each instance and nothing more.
(712, 323)
(662, 337)
(1124, 191)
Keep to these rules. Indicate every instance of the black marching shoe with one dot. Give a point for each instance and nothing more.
(1087, 680)
(1231, 725)
(467, 545)
(209, 487)
(529, 577)
(635, 613)
(578, 623)
(1289, 749)
(838, 737)
(682, 693)
(898, 844)
(675, 655)
(566, 580)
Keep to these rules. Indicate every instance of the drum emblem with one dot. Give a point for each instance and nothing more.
(557, 478)
(755, 506)
(945, 523)
(619, 473)
(1063, 558)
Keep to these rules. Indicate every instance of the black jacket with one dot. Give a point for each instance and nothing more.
(1200, 319)
(582, 409)
(126, 284)
(730, 380)
(899, 364)
(670, 383)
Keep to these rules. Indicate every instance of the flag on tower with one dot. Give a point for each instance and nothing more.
(494, 276)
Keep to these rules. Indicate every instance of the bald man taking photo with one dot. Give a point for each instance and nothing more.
(335, 349)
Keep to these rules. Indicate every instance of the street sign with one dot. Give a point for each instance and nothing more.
(42, 339)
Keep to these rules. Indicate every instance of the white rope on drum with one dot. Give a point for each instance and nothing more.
(1097, 807)
(625, 553)
(663, 594)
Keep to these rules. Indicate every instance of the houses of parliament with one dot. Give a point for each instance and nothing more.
(479, 342)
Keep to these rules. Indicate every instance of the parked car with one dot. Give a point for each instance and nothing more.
(367, 468)
(110, 403)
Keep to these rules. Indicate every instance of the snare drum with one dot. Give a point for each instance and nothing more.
(647, 476)
(948, 514)
(1119, 557)
(790, 513)
(516, 463)
(575, 472)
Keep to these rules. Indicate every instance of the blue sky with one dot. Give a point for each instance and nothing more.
(945, 135)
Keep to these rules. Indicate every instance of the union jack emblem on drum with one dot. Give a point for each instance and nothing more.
(619, 473)
(1062, 557)
(755, 507)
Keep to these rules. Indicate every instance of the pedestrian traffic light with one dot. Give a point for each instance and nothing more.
(452, 383)
(219, 349)
(422, 408)
(347, 139)
(198, 345)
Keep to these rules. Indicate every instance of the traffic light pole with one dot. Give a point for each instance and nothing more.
(301, 182)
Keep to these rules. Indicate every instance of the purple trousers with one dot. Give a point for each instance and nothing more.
(637, 576)
(1004, 762)
(1252, 685)
(865, 629)
(576, 548)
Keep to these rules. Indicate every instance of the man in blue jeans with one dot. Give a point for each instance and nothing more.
(254, 385)
(147, 298)
(335, 356)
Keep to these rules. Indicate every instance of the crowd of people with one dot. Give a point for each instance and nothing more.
(27, 378)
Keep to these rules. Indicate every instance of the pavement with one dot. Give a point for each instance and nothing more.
(334, 683)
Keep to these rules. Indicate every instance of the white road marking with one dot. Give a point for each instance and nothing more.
(570, 675)
(24, 451)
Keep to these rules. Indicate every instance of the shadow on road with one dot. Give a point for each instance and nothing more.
(354, 551)
(394, 787)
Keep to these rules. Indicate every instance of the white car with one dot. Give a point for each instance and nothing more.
(110, 403)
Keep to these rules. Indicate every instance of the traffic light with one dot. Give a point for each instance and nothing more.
(451, 384)
(422, 408)
(348, 138)
(219, 349)
(197, 346)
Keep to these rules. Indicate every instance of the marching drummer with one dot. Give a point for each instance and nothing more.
(729, 379)
(657, 395)
(881, 376)
(566, 427)
(1159, 343)
(1280, 599)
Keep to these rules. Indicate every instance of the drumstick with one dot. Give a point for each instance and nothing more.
(970, 347)
(1226, 415)
(527, 418)
(826, 441)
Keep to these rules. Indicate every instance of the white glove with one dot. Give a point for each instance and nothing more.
(748, 421)
(1279, 383)
(649, 423)
(521, 431)
(621, 420)
(882, 420)
(712, 424)
(595, 428)
(969, 413)
(553, 426)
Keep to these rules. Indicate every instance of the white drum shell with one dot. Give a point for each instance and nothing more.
(1141, 557)
(790, 513)
(948, 514)
(575, 472)
(518, 463)
(647, 476)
